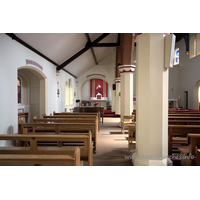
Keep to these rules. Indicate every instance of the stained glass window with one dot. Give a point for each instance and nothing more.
(19, 90)
(195, 47)
(176, 59)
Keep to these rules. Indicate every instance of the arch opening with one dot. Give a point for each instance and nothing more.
(34, 91)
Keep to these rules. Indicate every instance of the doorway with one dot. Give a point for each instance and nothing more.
(185, 99)
(34, 91)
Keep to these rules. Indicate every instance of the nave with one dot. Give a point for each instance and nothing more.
(112, 145)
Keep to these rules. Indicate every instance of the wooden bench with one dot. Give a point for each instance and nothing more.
(71, 124)
(90, 110)
(38, 155)
(198, 157)
(23, 114)
(193, 140)
(184, 122)
(190, 114)
(183, 118)
(177, 134)
(82, 115)
(84, 136)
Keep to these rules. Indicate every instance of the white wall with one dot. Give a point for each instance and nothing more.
(106, 67)
(12, 56)
(184, 76)
(86, 91)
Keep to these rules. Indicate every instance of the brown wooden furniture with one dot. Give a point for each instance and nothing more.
(126, 121)
(183, 118)
(84, 137)
(90, 110)
(177, 134)
(194, 114)
(23, 114)
(79, 115)
(71, 124)
(193, 140)
(38, 155)
(131, 136)
(185, 160)
(198, 157)
(184, 122)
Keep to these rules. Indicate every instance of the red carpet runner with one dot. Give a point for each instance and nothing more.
(109, 113)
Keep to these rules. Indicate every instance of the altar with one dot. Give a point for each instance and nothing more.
(101, 102)
(173, 103)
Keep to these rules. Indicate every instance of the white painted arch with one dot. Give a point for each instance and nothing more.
(196, 95)
(92, 77)
(43, 99)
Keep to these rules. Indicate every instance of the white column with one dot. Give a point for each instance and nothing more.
(118, 99)
(152, 102)
(126, 72)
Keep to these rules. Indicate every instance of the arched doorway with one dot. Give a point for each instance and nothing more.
(196, 96)
(33, 91)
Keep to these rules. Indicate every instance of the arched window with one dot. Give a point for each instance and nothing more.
(193, 46)
(19, 90)
(176, 56)
(66, 93)
(70, 92)
(198, 43)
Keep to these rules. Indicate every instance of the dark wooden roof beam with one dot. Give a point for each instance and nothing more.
(87, 46)
(92, 50)
(14, 37)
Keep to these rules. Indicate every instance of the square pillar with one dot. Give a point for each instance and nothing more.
(152, 102)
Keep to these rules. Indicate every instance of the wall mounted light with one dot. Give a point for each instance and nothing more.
(57, 72)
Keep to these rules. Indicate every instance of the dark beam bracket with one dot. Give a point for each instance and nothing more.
(89, 41)
(89, 45)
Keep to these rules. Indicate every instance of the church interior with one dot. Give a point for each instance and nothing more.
(125, 102)
(112, 75)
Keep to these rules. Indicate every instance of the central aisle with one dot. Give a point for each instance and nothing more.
(112, 146)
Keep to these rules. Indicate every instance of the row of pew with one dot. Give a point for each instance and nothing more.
(62, 139)
(184, 133)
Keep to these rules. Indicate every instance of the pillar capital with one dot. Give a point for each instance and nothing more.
(126, 68)
(117, 80)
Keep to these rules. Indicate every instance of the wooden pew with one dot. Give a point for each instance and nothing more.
(82, 115)
(90, 110)
(82, 135)
(72, 124)
(198, 157)
(193, 140)
(184, 114)
(37, 155)
(24, 114)
(175, 131)
(184, 122)
(183, 118)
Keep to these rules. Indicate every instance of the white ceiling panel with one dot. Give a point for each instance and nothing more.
(59, 47)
